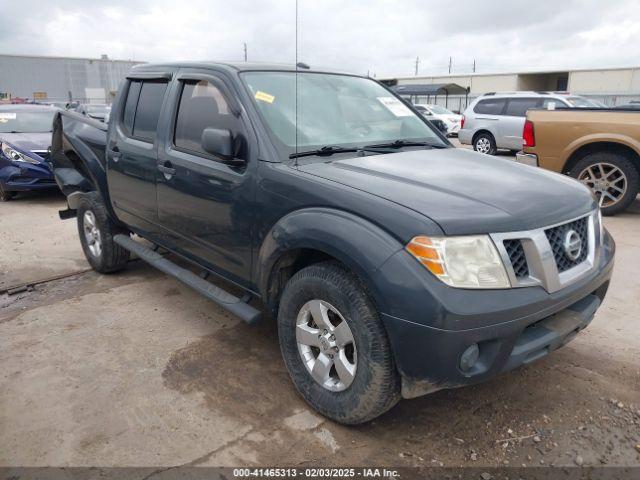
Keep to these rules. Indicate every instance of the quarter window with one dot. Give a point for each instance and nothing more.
(492, 106)
(202, 105)
(142, 109)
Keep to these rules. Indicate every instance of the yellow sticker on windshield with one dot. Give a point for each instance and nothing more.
(265, 97)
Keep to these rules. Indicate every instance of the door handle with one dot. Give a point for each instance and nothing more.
(167, 169)
(115, 154)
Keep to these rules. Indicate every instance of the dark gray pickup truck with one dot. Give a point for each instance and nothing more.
(394, 264)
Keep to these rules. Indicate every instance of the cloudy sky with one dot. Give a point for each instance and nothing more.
(382, 37)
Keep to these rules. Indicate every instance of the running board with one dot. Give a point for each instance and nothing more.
(223, 298)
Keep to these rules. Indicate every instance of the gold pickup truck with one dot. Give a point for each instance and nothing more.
(601, 148)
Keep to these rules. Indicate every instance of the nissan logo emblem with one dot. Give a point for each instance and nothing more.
(572, 245)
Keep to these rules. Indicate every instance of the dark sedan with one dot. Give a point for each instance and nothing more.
(25, 139)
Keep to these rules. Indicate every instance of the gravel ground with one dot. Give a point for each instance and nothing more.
(136, 369)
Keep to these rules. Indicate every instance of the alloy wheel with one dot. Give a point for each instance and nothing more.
(326, 345)
(483, 145)
(607, 181)
(92, 233)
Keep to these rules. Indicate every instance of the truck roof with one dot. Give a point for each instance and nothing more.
(238, 67)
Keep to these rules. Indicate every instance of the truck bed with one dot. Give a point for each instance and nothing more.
(78, 152)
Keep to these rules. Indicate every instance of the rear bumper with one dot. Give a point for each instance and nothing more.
(527, 158)
(429, 357)
(465, 136)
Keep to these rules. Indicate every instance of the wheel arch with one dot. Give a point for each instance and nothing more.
(314, 235)
(480, 132)
(581, 151)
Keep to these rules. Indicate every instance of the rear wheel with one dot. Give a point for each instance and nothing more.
(335, 346)
(485, 143)
(612, 177)
(96, 232)
(4, 195)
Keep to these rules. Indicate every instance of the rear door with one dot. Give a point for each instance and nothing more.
(512, 121)
(132, 152)
(205, 203)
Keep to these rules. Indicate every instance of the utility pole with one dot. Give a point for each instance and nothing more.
(449, 65)
(417, 63)
(245, 51)
(474, 65)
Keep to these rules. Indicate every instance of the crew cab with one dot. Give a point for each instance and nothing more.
(393, 263)
(599, 147)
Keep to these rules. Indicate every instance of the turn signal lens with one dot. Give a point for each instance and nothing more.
(463, 262)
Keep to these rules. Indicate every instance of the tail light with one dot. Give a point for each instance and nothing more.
(462, 122)
(528, 135)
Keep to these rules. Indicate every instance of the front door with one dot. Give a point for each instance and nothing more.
(205, 203)
(131, 153)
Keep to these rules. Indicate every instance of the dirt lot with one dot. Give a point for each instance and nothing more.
(136, 369)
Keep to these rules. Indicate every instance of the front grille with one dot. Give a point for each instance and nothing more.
(556, 237)
(517, 257)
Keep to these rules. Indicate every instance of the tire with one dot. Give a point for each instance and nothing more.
(94, 224)
(4, 195)
(621, 179)
(485, 143)
(375, 385)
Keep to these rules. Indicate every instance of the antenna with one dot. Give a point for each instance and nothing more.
(245, 51)
(296, 89)
(417, 63)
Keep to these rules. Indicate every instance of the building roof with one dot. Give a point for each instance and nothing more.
(429, 89)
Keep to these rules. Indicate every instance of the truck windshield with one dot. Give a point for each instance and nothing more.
(20, 121)
(337, 110)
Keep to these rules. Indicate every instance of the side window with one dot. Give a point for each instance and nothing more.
(493, 106)
(148, 110)
(553, 104)
(517, 107)
(130, 106)
(202, 105)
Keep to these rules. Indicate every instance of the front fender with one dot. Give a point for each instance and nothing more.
(359, 244)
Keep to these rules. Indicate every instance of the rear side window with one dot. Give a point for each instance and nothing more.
(202, 105)
(493, 106)
(517, 107)
(142, 109)
(553, 104)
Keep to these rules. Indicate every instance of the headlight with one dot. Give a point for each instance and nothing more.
(15, 156)
(463, 262)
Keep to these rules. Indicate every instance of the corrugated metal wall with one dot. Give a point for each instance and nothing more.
(22, 76)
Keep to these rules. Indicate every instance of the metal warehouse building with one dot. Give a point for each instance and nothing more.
(613, 86)
(61, 78)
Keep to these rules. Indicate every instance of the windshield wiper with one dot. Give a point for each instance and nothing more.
(405, 143)
(330, 150)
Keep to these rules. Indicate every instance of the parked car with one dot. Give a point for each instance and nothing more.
(600, 148)
(440, 125)
(25, 138)
(495, 120)
(394, 264)
(97, 111)
(453, 121)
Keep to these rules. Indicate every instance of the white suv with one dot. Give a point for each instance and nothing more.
(496, 120)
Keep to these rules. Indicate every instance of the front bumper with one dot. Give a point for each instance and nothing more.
(527, 158)
(26, 177)
(511, 328)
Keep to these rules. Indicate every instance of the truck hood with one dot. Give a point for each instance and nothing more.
(463, 191)
(27, 141)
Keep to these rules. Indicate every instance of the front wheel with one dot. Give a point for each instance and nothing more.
(96, 232)
(4, 195)
(335, 346)
(612, 177)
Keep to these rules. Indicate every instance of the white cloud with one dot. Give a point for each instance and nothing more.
(380, 36)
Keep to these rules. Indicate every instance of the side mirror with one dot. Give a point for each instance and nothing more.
(217, 142)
